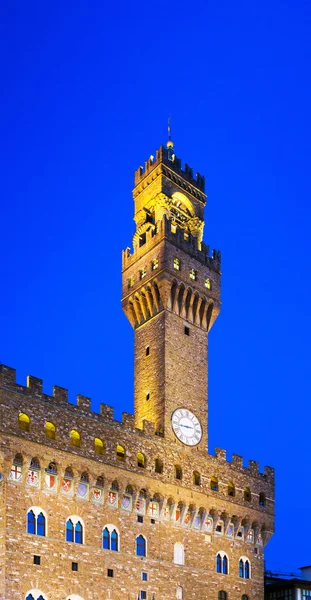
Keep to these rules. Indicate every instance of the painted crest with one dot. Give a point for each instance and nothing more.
(82, 491)
(177, 515)
(98, 495)
(208, 524)
(126, 502)
(15, 473)
(67, 486)
(166, 513)
(197, 522)
(230, 530)
(187, 519)
(112, 499)
(50, 482)
(250, 536)
(140, 506)
(33, 478)
(259, 540)
(153, 510)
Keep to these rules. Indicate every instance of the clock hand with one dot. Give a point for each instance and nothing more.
(187, 426)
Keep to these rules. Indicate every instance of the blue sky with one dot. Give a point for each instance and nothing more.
(86, 91)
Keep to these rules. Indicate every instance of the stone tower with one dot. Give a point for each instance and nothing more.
(92, 508)
(170, 290)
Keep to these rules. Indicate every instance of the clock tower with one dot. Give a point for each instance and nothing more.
(171, 296)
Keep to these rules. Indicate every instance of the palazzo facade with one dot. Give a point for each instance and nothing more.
(96, 509)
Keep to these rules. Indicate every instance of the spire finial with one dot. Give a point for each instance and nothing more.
(170, 143)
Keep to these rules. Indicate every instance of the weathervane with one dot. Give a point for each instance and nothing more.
(170, 143)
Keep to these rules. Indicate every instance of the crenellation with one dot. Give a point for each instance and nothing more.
(7, 375)
(269, 474)
(34, 384)
(60, 395)
(237, 461)
(162, 156)
(128, 421)
(253, 467)
(84, 403)
(221, 454)
(107, 412)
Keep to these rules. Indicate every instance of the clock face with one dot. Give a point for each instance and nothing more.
(186, 426)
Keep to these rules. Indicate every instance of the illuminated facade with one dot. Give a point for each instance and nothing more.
(95, 509)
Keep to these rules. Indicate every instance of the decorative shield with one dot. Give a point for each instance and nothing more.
(126, 502)
(140, 507)
(153, 510)
(187, 519)
(259, 540)
(177, 515)
(50, 482)
(112, 499)
(230, 530)
(33, 478)
(67, 486)
(197, 522)
(250, 536)
(98, 495)
(208, 524)
(15, 473)
(82, 490)
(166, 513)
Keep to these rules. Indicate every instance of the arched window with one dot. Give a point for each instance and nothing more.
(244, 567)
(231, 489)
(100, 482)
(98, 446)
(106, 539)
(36, 521)
(218, 563)
(196, 478)
(115, 486)
(222, 563)
(158, 467)
(179, 554)
(222, 595)
(247, 494)
(262, 499)
(241, 568)
(114, 540)
(24, 421)
(179, 592)
(74, 530)
(120, 450)
(140, 546)
(225, 565)
(141, 461)
(244, 597)
(35, 595)
(75, 438)
(178, 472)
(50, 430)
(214, 484)
(110, 538)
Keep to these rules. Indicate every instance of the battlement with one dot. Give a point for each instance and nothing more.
(174, 163)
(177, 235)
(102, 424)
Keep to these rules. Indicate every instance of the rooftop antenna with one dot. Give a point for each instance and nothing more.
(170, 143)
